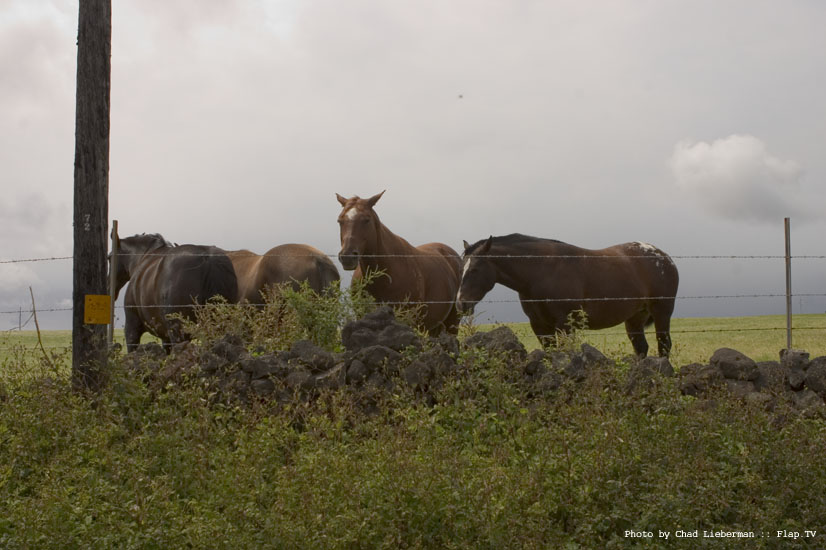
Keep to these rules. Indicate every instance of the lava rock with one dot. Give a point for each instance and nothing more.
(734, 365)
(696, 379)
(816, 376)
(499, 340)
(308, 354)
(379, 328)
(794, 359)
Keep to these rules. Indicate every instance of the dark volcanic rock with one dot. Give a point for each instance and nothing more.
(379, 328)
(740, 388)
(807, 400)
(644, 373)
(772, 377)
(357, 372)
(311, 356)
(333, 378)
(660, 365)
(263, 387)
(593, 356)
(265, 366)
(816, 376)
(796, 378)
(696, 379)
(575, 368)
(378, 356)
(535, 365)
(794, 358)
(499, 340)
(300, 379)
(734, 365)
(230, 347)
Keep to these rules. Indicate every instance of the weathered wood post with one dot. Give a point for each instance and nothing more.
(113, 280)
(786, 227)
(91, 188)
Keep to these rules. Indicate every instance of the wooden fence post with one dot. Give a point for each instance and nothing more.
(91, 188)
(113, 279)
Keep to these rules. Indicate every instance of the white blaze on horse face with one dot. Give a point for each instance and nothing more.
(351, 214)
(465, 269)
(467, 266)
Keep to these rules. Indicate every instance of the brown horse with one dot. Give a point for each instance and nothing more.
(287, 263)
(165, 279)
(632, 283)
(428, 274)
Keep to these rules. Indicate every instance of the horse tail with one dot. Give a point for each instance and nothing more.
(219, 279)
(328, 274)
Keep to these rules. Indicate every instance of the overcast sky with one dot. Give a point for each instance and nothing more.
(693, 125)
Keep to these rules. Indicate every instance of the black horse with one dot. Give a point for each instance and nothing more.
(168, 279)
(632, 283)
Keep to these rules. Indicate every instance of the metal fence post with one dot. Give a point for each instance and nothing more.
(788, 284)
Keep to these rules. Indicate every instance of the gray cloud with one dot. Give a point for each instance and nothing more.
(233, 123)
(738, 178)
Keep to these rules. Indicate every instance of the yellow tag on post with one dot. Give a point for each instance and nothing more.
(96, 309)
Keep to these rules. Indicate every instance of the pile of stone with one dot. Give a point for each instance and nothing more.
(382, 354)
(794, 376)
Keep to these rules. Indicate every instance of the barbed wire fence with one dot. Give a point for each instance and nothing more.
(26, 314)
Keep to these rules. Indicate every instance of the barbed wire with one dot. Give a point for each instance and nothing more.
(494, 256)
(25, 260)
(483, 301)
(650, 331)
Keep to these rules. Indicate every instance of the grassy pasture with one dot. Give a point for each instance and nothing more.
(695, 339)
(489, 466)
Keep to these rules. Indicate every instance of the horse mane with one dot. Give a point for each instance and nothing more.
(515, 240)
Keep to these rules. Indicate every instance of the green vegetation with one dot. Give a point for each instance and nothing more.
(488, 466)
(695, 339)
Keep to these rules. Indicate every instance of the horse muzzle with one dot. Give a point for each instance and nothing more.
(349, 261)
(464, 306)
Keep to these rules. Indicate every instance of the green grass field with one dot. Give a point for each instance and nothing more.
(486, 464)
(695, 339)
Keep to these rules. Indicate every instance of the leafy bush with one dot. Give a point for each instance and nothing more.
(287, 315)
(487, 465)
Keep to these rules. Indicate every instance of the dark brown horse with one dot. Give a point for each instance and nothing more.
(165, 279)
(287, 263)
(428, 274)
(632, 283)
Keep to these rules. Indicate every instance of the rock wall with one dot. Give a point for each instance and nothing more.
(382, 354)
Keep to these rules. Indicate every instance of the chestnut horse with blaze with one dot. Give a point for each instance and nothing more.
(632, 283)
(428, 275)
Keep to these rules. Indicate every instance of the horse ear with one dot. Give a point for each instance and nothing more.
(341, 200)
(466, 244)
(371, 202)
(486, 247)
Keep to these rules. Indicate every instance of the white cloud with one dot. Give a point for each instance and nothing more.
(14, 277)
(737, 178)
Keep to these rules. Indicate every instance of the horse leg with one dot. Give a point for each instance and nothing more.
(451, 322)
(545, 333)
(133, 329)
(175, 334)
(635, 328)
(662, 324)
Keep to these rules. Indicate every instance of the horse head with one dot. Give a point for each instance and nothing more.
(130, 251)
(358, 226)
(478, 275)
